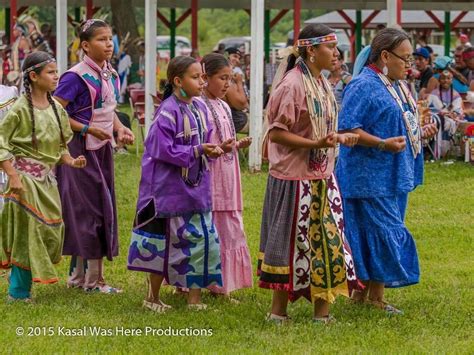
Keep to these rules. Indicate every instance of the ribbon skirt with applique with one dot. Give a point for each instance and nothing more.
(302, 246)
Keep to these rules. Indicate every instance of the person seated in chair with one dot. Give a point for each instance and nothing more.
(447, 106)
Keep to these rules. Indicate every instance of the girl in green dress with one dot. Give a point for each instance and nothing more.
(33, 139)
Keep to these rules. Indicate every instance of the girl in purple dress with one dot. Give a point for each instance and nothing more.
(89, 92)
(174, 237)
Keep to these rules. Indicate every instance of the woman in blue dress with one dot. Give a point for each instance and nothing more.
(376, 176)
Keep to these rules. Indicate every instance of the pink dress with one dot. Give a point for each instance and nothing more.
(227, 205)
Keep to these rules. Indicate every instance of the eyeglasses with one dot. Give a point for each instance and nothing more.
(408, 61)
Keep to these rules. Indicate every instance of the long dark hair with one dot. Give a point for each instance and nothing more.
(177, 67)
(87, 29)
(214, 62)
(310, 31)
(31, 60)
(386, 40)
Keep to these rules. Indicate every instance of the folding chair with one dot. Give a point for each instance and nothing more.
(156, 100)
(469, 144)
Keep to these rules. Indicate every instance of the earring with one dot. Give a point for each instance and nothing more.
(311, 59)
(385, 70)
(183, 93)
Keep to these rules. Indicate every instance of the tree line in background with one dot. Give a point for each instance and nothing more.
(213, 24)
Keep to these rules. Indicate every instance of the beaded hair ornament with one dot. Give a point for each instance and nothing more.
(40, 65)
(446, 73)
(308, 42)
(89, 23)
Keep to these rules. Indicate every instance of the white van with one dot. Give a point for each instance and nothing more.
(241, 43)
(183, 46)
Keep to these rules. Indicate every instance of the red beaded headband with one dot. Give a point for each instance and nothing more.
(307, 42)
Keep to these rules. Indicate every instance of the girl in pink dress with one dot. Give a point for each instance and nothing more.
(226, 190)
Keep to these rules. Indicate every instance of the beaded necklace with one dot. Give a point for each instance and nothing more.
(450, 105)
(202, 129)
(322, 108)
(227, 157)
(410, 116)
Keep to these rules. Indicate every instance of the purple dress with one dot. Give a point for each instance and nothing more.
(166, 153)
(174, 234)
(87, 195)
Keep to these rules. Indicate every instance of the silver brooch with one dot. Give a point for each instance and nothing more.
(106, 74)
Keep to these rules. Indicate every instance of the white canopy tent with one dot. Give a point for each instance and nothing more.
(257, 8)
(411, 19)
(444, 5)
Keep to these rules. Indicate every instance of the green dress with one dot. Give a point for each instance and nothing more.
(32, 229)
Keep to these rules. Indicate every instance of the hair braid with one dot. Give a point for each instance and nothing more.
(56, 113)
(26, 83)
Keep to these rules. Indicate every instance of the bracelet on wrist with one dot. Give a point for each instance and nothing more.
(381, 145)
(84, 130)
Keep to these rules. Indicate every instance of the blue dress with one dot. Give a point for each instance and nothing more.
(375, 185)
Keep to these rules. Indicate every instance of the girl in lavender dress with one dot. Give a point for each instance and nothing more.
(227, 201)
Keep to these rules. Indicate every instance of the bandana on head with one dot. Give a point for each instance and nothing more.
(468, 55)
(307, 42)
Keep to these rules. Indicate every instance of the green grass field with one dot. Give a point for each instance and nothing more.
(438, 311)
